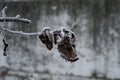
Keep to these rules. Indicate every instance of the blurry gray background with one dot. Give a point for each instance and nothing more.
(96, 24)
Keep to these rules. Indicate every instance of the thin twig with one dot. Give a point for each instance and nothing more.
(4, 18)
(14, 19)
(21, 32)
(4, 15)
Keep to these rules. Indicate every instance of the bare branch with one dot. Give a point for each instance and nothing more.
(21, 32)
(14, 19)
(5, 19)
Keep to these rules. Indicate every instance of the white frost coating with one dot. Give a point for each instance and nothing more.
(69, 33)
(62, 31)
(46, 28)
(3, 11)
(62, 34)
(17, 16)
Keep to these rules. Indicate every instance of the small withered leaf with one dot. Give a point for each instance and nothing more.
(5, 47)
